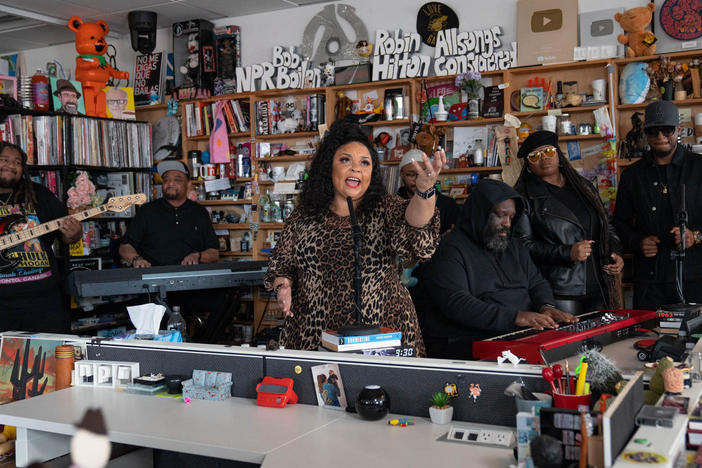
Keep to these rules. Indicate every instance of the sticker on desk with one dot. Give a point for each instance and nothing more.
(644, 458)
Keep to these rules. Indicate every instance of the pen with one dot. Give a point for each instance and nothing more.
(580, 387)
(567, 377)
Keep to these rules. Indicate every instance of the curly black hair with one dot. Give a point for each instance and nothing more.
(24, 189)
(318, 190)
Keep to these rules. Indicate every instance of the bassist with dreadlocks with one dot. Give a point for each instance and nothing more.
(30, 283)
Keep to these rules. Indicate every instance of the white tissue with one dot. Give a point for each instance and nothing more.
(146, 318)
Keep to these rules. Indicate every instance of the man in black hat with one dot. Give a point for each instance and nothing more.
(646, 216)
(481, 281)
(176, 231)
(68, 95)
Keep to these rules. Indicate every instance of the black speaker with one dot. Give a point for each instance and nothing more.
(142, 28)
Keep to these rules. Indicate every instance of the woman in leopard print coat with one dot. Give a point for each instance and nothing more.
(311, 268)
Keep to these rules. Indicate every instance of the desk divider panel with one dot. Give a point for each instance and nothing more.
(411, 382)
(246, 368)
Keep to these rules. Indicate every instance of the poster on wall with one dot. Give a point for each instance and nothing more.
(148, 79)
(27, 367)
(120, 102)
(67, 96)
(547, 31)
(433, 17)
(678, 25)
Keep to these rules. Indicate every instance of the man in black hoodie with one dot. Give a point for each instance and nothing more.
(481, 282)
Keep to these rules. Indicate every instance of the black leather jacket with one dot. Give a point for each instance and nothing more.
(550, 229)
(636, 215)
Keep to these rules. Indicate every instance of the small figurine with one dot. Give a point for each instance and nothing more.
(635, 142)
(90, 447)
(292, 116)
(364, 49)
(343, 106)
(475, 391)
(327, 74)
(633, 21)
(509, 356)
(189, 68)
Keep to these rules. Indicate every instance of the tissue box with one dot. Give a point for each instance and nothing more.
(208, 385)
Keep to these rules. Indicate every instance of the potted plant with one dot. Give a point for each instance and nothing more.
(666, 74)
(440, 411)
(470, 83)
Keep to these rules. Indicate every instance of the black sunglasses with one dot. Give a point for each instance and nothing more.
(665, 130)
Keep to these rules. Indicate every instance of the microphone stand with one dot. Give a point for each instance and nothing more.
(679, 253)
(358, 328)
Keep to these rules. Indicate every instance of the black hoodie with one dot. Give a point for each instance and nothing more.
(476, 293)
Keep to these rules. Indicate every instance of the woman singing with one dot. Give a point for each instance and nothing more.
(311, 268)
(568, 230)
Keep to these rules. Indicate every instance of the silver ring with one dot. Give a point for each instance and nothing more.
(430, 174)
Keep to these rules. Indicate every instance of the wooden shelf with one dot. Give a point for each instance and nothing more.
(236, 97)
(649, 58)
(286, 136)
(152, 107)
(539, 69)
(285, 92)
(374, 84)
(233, 227)
(225, 202)
(470, 123)
(564, 110)
(682, 102)
(272, 182)
(271, 225)
(388, 123)
(596, 136)
(236, 254)
(231, 135)
(281, 159)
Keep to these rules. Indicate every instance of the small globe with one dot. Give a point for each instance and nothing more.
(634, 83)
(372, 403)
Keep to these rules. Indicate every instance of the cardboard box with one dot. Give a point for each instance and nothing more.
(547, 31)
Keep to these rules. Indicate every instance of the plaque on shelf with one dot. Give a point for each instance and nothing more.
(494, 102)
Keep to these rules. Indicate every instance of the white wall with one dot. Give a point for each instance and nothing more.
(261, 32)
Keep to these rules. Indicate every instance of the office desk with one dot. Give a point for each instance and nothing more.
(236, 429)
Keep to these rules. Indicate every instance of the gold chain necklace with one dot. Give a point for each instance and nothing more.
(7, 200)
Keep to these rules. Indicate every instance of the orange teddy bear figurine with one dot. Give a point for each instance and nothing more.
(92, 70)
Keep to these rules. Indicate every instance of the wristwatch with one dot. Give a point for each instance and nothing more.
(548, 305)
(428, 194)
(697, 235)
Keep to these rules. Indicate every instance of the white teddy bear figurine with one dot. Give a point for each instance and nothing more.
(192, 61)
(292, 115)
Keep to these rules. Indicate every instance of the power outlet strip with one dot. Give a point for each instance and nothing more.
(482, 436)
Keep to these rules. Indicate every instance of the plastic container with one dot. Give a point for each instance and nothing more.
(40, 90)
(177, 322)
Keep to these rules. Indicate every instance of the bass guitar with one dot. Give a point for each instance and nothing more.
(9, 239)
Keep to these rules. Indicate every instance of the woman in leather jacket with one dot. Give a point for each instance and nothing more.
(567, 230)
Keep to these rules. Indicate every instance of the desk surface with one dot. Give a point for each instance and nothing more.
(238, 429)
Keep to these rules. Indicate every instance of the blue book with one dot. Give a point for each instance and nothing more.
(386, 334)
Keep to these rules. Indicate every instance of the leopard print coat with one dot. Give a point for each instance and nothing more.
(318, 258)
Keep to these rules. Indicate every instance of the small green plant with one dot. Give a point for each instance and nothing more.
(440, 399)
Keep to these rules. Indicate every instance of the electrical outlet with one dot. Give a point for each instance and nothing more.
(482, 436)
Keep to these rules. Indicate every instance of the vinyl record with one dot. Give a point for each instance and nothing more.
(433, 17)
(682, 20)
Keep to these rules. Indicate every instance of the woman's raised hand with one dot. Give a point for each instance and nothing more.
(428, 171)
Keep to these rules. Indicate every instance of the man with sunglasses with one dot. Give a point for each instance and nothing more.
(649, 200)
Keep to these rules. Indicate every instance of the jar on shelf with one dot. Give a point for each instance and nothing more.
(478, 153)
(288, 207)
(276, 209)
(565, 125)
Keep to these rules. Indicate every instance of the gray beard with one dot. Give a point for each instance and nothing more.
(497, 243)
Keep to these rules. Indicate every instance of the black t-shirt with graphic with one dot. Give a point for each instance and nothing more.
(36, 272)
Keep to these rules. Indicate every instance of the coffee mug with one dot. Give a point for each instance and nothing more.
(207, 171)
(548, 123)
(599, 87)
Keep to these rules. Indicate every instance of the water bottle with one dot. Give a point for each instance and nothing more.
(177, 322)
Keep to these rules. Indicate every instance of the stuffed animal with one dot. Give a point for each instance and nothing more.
(292, 115)
(92, 70)
(192, 60)
(657, 384)
(639, 42)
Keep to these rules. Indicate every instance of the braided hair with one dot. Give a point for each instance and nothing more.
(24, 189)
(318, 190)
(588, 194)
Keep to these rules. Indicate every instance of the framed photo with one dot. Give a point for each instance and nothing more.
(458, 189)
(67, 96)
(330, 389)
(120, 102)
(8, 86)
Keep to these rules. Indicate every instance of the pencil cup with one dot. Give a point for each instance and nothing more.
(561, 400)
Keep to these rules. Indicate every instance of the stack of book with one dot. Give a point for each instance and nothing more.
(387, 338)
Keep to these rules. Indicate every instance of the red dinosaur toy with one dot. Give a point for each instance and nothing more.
(92, 70)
